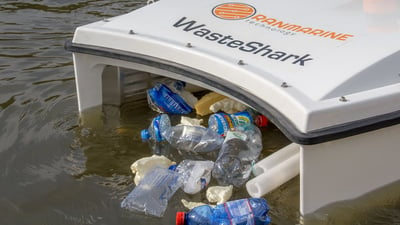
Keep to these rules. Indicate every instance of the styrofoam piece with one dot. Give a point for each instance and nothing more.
(219, 194)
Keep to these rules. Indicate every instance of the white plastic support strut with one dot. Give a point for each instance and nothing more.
(274, 170)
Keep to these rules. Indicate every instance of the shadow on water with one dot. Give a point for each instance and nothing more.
(377, 207)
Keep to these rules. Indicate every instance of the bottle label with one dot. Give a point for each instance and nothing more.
(242, 118)
(235, 134)
(229, 122)
(156, 126)
(224, 122)
(240, 211)
(168, 101)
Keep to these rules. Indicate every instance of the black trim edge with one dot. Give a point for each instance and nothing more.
(285, 125)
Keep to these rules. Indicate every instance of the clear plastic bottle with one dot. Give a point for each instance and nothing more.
(171, 97)
(195, 174)
(152, 194)
(193, 138)
(158, 126)
(250, 211)
(238, 153)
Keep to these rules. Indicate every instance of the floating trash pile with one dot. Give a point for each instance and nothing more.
(232, 133)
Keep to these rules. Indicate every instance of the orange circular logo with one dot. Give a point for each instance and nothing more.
(233, 11)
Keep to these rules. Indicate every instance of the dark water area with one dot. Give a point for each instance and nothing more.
(59, 166)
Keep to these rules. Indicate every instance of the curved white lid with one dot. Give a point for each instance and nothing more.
(340, 59)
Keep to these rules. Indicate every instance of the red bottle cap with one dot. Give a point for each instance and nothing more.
(261, 121)
(180, 218)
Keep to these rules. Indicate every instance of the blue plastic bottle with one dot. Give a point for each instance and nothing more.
(163, 99)
(249, 211)
(158, 126)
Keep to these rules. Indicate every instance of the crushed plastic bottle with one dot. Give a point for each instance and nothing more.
(171, 97)
(195, 174)
(219, 194)
(152, 194)
(156, 131)
(144, 165)
(250, 211)
(238, 153)
(193, 138)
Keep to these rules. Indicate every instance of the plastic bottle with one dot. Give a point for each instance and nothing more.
(195, 174)
(239, 212)
(152, 194)
(193, 138)
(158, 126)
(223, 122)
(238, 153)
(171, 97)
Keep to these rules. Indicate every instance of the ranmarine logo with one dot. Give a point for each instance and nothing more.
(247, 13)
(233, 11)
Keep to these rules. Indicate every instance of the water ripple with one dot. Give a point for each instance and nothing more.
(15, 6)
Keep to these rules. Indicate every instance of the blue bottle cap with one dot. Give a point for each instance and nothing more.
(145, 134)
(172, 167)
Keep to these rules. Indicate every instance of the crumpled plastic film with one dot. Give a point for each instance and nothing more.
(144, 165)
